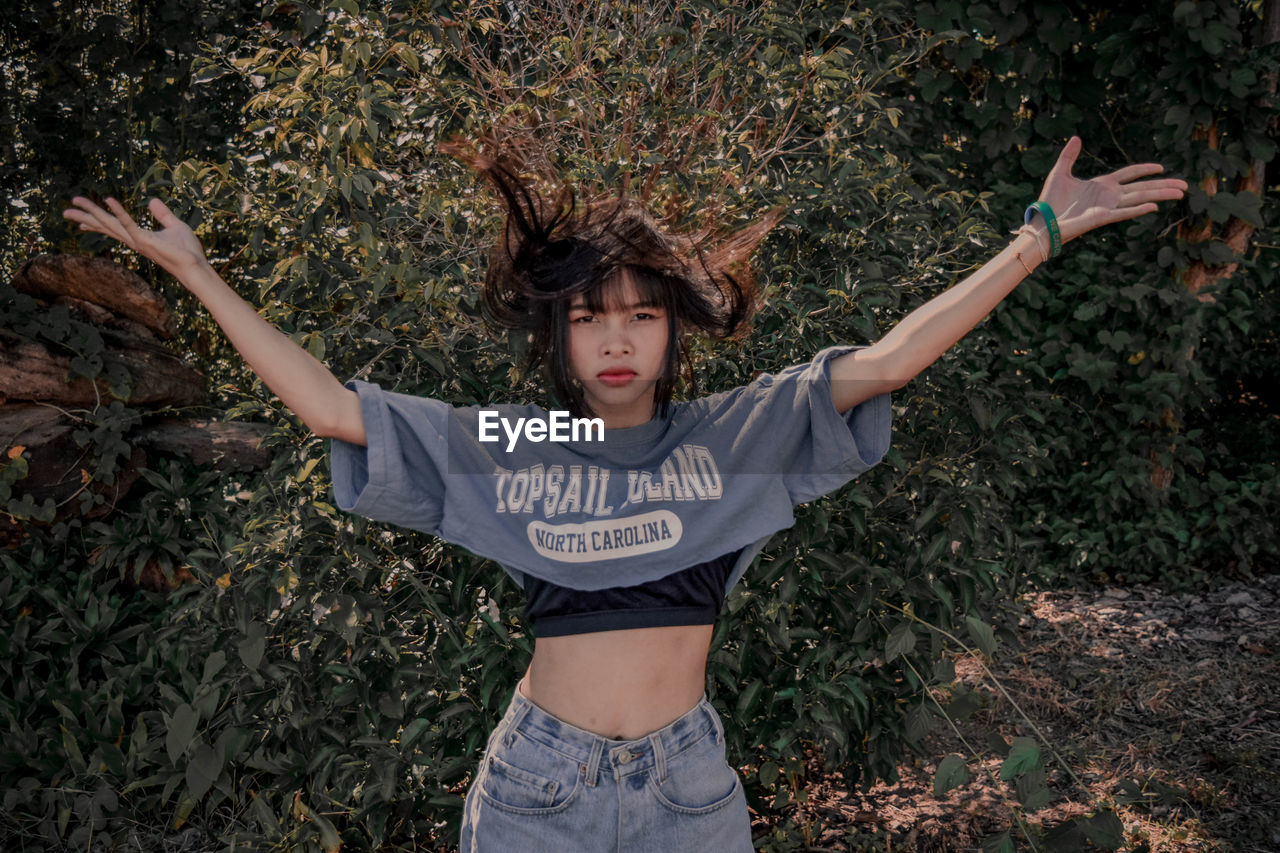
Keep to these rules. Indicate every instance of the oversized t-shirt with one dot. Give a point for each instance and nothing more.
(717, 474)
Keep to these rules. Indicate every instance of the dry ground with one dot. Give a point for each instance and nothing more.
(1165, 707)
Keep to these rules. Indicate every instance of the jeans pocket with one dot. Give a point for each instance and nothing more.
(699, 781)
(522, 777)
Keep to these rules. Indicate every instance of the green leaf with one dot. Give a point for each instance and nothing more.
(952, 772)
(181, 729)
(72, 750)
(1001, 843)
(408, 56)
(963, 704)
(1024, 754)
(202, 770)
(412, 731)
(919, 723)
(182, 812)
(944, 670)
(330, 841)
(213, 664)
(253, 646)
(1031, 789)
(748, 699)
(982, 634)
(1104, 829)
(935, 549)
(316, 347)
(901, 641)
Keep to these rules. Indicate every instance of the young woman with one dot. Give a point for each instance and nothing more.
(625, 542)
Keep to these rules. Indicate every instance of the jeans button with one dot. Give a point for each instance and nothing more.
(625, 758)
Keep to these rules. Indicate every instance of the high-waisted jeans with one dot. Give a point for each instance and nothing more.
(545, 786)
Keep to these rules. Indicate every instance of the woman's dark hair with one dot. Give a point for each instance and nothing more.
(553, 248)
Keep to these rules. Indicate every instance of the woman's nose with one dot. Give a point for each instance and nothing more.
(617, 341)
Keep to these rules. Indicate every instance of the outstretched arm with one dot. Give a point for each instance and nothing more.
(929, 331)
(304, 384)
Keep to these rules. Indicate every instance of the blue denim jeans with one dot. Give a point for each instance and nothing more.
(545, 786)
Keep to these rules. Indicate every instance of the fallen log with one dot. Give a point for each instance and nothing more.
(32, 370)
(226, 445)
(100, 282)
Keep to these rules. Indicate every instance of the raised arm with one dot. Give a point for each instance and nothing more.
(929, 331)
(304, 384)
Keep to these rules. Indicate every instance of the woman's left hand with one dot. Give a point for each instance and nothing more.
(1081, 206)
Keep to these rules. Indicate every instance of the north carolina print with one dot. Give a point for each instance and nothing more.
(688, 474)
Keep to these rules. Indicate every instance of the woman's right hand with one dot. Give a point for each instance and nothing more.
(173, 247)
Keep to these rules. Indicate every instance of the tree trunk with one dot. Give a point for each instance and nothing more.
(58, 466)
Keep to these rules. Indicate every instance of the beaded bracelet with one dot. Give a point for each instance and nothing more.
(1055, 237)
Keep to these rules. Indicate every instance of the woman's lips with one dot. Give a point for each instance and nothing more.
(616, 378)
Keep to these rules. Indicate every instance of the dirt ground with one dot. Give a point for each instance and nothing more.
(1165, 708)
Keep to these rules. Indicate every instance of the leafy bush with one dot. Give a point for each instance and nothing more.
(331, 680)
(1157, 452)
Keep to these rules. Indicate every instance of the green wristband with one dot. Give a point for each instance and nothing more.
(1055, 237)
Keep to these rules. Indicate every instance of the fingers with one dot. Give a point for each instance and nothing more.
(131, 228)
(80, 211)
(1138, 170)
(1150, 193)
(93, 218)
(163, 215)
(116, 223)
(1070, 151)
(1120, 214)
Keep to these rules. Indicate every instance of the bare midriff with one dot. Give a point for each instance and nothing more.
(620, 684)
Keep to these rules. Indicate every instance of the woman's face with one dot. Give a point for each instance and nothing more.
(618, 354)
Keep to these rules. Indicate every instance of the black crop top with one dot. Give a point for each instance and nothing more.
(691, 596)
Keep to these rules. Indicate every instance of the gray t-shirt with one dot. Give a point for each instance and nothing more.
(719, 473)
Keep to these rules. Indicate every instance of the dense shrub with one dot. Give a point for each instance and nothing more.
(331, 679)
(1151, 346)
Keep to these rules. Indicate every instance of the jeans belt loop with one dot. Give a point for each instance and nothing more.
(714, 716)
(519, 709)
(659, 757)
(593, 763)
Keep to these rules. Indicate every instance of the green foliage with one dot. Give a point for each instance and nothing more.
(93, 93)
(83, 658)
(332, 680)
(1130, 371)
